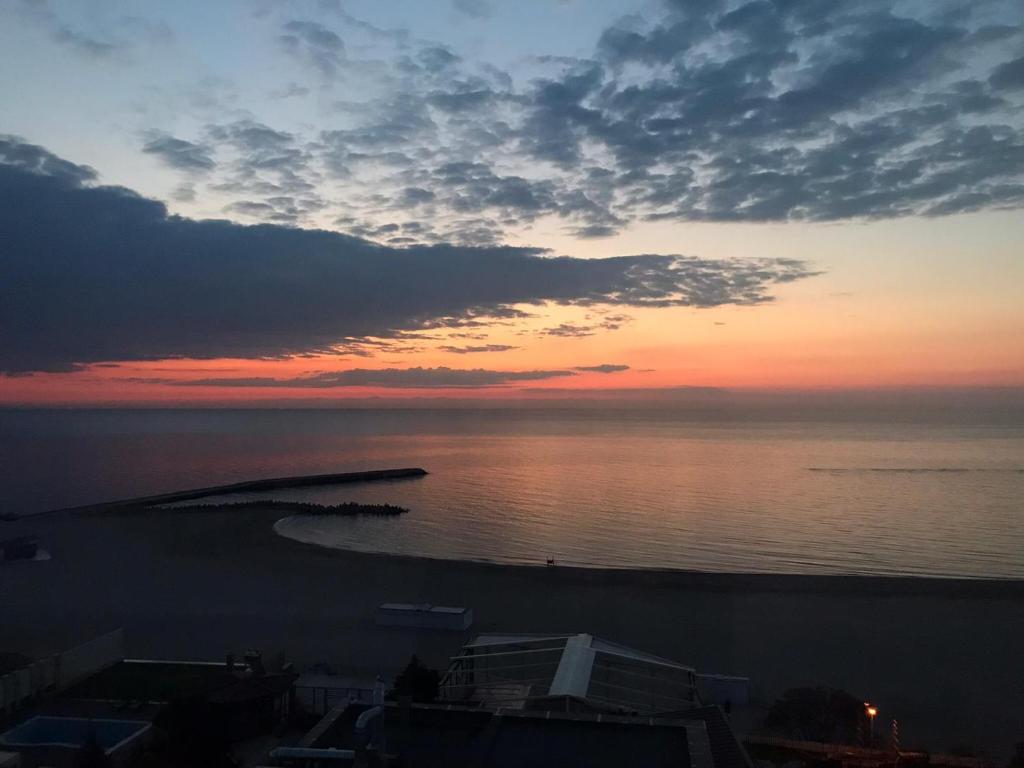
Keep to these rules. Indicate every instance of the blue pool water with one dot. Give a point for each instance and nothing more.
(72, 732)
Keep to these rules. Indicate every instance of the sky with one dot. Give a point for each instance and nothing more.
(267, 202)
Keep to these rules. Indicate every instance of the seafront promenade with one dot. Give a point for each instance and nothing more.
(934, 652)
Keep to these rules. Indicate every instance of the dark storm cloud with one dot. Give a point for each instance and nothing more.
(180, 154)
(94, 274)
(36, 160)
(398, 378)
(603, 368)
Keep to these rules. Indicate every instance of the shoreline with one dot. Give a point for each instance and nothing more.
(674, 578)
(260, 525)
(268, 517)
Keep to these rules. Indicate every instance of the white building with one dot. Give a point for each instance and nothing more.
(578, 673)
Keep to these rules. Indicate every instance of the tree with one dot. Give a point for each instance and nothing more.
(197, 734)
(91, 754)
(418, 681)
(1017, 761)
(816, 714)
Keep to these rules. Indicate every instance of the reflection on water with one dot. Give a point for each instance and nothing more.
(623, 490)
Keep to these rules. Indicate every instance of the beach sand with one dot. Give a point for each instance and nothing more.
(942, 656)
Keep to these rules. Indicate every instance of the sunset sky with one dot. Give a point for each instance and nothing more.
(242, 202)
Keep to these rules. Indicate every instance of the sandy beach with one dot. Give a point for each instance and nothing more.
(942, 656)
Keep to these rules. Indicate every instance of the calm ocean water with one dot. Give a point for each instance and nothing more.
(617, 489)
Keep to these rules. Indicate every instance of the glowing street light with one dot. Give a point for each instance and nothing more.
(871, 712)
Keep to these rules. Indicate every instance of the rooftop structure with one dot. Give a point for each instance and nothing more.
(92, 698)
(453, 736)
(423, 616)
(318, 693)
(571, 672)
(247, 702)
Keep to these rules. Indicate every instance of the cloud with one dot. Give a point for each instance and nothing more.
(599, 321)
(748, 110)
(398, 378)
(269, 172)
(570, 330)
(82, 43)
(772, 111)
(292, 90)
(180, 154)
(604, 368)
(472, 349)
(314, 44)
(474, 9)
(31, 158)
(93, 273)
(108, 37)
(1009, 75)
(412, 196)
(762, 111)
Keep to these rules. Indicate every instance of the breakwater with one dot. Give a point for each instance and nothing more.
(252, 486)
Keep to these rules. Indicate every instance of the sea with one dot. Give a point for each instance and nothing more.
(599, 487)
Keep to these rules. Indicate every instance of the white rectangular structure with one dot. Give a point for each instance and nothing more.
(321, 693)
(423, 616)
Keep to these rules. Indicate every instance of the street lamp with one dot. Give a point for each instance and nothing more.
(871, 712)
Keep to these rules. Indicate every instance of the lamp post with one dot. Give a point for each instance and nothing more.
(871, 711)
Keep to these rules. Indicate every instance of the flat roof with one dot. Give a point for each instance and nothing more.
(151, 681)
(461, 736)
(421, 608)
(319, 680)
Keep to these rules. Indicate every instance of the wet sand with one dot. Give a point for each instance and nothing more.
(943, 656)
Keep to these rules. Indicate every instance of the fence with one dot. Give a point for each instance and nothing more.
(59, 671)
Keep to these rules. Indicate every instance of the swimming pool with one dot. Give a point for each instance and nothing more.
(73, 732)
